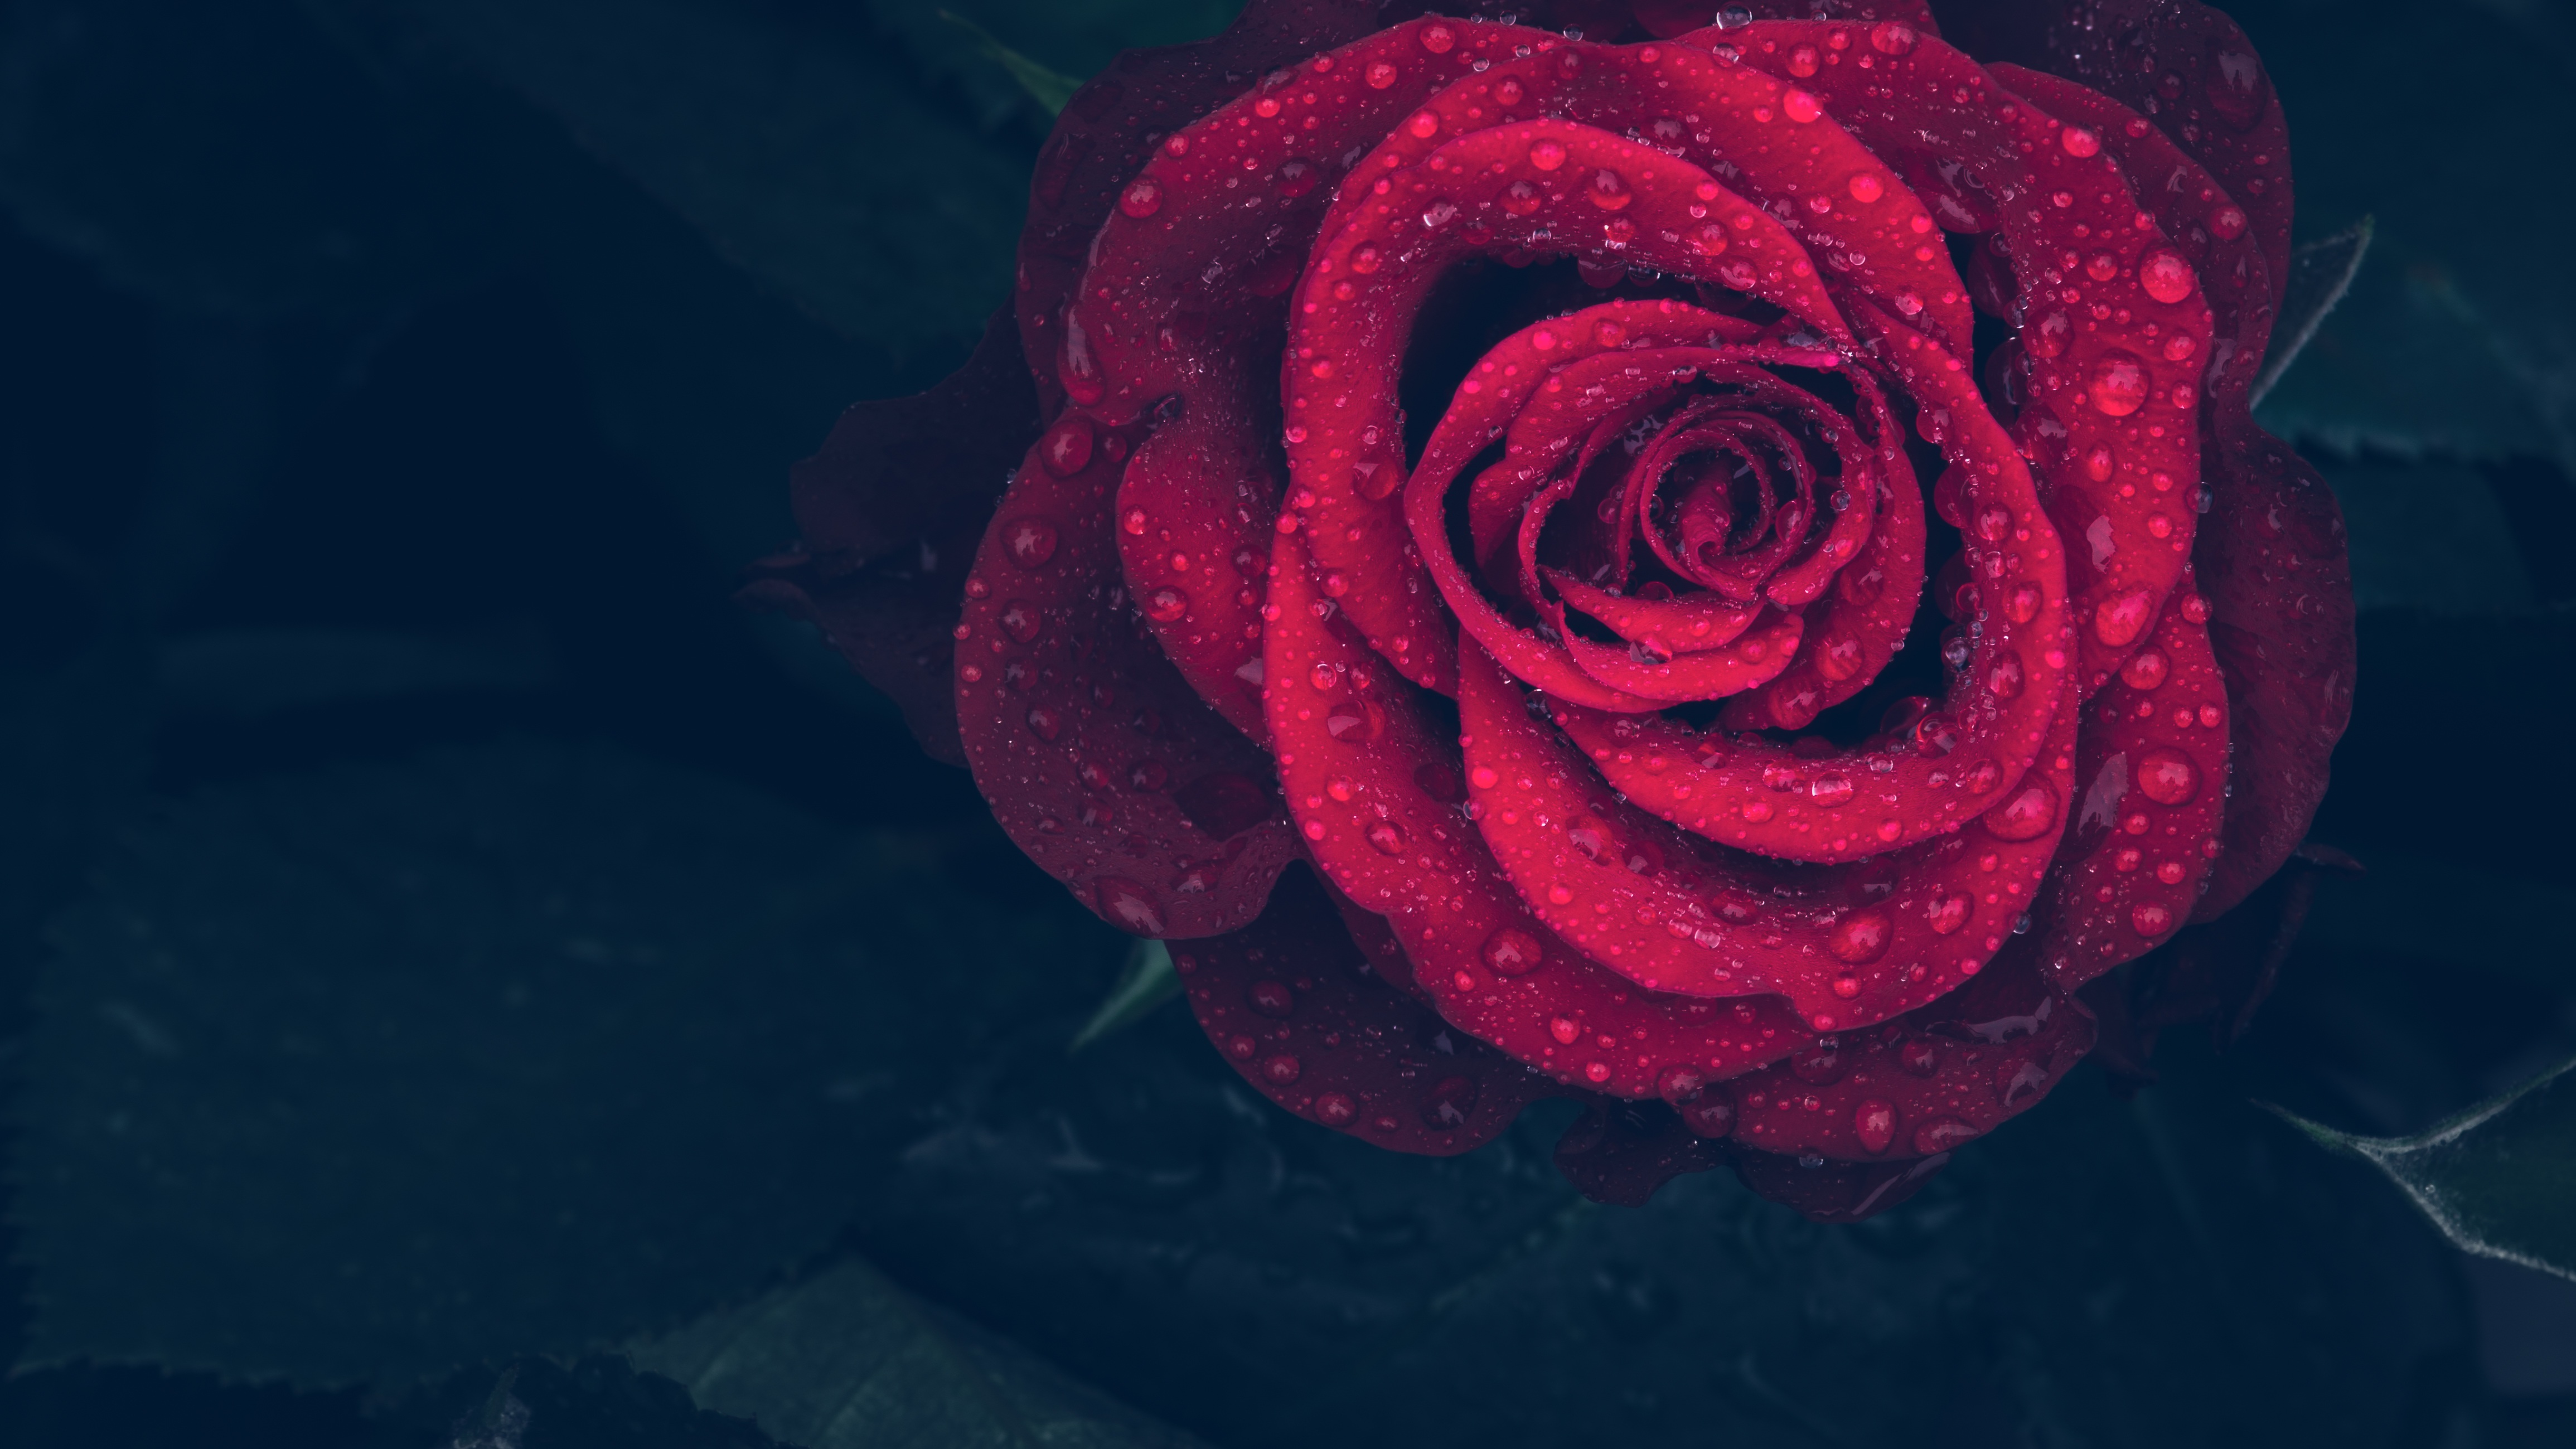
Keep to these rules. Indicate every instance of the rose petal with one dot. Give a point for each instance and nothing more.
(1622, 1152)
(1346, 342)
(2191, 69)
(1847, 946)
(1492, 969)
(890, 509)
(2273, 565)
(1096, 755)
(1731, 799)
(1098, 145)
(1192, 525)
(1299, 1011)
(1835, 1192)
(1668, 18)
(2105, 395)
(1926, 1083)
(2151, 780)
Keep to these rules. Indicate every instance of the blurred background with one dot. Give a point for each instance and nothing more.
(463, 982)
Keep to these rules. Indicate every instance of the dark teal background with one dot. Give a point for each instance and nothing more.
(437, 927)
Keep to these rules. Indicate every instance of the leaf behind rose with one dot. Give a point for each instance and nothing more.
(1048, 88)
(846, 1359)
(2496, 1179)
(2321, 272)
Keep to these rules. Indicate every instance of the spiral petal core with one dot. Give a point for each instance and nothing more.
(1724, 701)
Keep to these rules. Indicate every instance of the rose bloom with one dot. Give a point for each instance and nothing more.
(1720, 570)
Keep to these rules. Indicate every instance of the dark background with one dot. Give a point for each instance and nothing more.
(437, 927)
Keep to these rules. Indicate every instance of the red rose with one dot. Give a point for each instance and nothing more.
(1510, 471)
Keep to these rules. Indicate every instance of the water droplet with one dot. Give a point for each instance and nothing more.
(2019, 1082)
(1336, 1109)
(1565, 1029)
(1385, 837)
(1820, 1063)
(1920, 1056)
(2168, 278)
(1142, 198)
(1948, 911)
(2168, 776)
(2145, 669)
(1512, 951)
(2237, 87)
(1708, 241)
(1029, 541)
(1451, 1103)
(2120, 619)
(1021, 620)
(1861, 937)
(1067, 449)
(2079, 142)
(1803, 61)
(1149, 775)
(1424, 124)
(2151, 920)
(2026, 815)
(1935, 735)
(2021, 603)
(1546, 155)
(1866, 188)
(2004, 677)
(1354, 722)
(2119, 383)
(1272, 999)
(1942, 1134)
(1800, 106)
(1296, 176)
(1166, 604)
(1609, 190)
(1522, 197)
(1508, 93)
(1892, 37)
(2048, 336)
(1128, 906)
(1438, 38)
(1282, 1070)
(1875, 1124)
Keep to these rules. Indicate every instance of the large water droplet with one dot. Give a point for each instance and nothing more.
(2168, 776)
(1874, 1123)
(2119, 383)
(2026, 814)
(2120, 619)
(1512, 951)
(1272, 999)
(1861, 937)
(2167, 278)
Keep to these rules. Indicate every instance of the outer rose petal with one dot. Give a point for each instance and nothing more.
(1835, 1192)
(2187, 65)
(2272, 555)
(1920, 1086)
(890, 510)
(2149, 786)
(1621, 1152)
(1096, 756)
(1668, 18)
(1302, 1013)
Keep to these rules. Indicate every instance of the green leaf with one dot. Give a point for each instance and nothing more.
(2452, 341)
(1048, 88)
(361, 1074)
(2320, 273)
(2498, 1179)
(847, 1360)
(1146, 982)
(815, 161)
